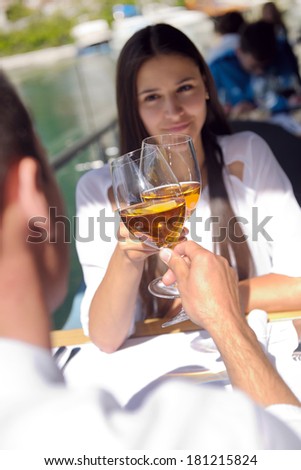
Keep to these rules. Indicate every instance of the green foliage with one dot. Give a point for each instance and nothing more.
(17, 11)
(40, 33)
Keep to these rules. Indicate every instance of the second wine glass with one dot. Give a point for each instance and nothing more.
(179, 152)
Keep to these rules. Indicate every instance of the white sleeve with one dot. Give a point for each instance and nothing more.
(96, 236)
(289, 414)
(96, 232)
(274, 199)
(212, 416)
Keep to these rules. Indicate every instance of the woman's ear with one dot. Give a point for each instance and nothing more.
(31, 196)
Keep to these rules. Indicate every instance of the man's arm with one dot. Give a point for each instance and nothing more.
(209, 294)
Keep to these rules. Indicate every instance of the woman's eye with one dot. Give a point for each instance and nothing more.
(186, 87)
(151, 98)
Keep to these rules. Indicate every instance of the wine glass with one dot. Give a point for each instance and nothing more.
(157, 221)
(178, 150)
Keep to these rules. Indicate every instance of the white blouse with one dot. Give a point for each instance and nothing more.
(263, 201)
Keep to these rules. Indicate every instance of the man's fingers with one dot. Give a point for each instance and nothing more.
(188, 249)
(175, 262)
(169, 278)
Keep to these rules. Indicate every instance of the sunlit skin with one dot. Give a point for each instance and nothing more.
(172, 98)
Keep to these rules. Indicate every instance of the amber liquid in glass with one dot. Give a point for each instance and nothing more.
(190, 190)
(158, 223)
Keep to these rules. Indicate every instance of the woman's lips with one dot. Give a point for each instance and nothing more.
(177, 128)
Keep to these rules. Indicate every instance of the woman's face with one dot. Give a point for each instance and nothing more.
(172, 96)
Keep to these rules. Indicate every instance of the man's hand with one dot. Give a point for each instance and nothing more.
(207, 285)
(209, 293)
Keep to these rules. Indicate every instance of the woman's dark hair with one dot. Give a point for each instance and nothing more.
(163, 39)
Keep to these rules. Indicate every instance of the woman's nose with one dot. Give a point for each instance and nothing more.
(172, 107)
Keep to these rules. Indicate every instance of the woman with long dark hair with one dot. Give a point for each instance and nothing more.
(165, 86)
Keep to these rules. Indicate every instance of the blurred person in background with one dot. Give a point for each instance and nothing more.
(271, 14)
(227, 28)
(259, 73)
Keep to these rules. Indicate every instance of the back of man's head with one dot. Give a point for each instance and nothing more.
(258, 39)
(16, 131)
(229, 23)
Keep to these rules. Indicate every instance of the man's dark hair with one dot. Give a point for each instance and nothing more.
(229, 23)
(258, 39)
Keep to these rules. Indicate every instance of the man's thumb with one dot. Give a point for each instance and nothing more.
(175, 262)
(165, 255)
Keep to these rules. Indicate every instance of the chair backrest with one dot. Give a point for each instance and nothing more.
(285, 146)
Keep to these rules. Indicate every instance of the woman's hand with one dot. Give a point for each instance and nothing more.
(135, 249)
(132, 247)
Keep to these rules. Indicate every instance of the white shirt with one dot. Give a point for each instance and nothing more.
(37, 412)
(264, 191)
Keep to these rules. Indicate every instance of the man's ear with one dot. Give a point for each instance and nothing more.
(30, 193)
